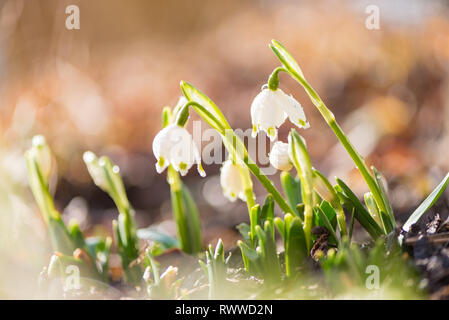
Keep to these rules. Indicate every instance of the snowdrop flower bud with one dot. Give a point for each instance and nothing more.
(231, 181)
(95, 170)
(270, 108)
(42, 155)
(174, 146)
(279, 156)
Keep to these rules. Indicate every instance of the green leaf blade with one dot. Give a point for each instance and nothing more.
(427, 203)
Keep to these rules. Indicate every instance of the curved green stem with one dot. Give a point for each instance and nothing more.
(332, 123)
(183, 116)
(273, 80)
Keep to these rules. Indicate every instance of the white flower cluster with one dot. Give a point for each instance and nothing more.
(174, 145)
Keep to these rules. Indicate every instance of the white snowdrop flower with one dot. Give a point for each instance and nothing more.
(95, 170)
(174, 146)
(231, 181)
(42, 155)
(270, 108)
(294, 110)
(279, 156)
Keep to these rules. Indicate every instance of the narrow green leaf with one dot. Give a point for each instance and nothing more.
(361, 214)
(372, 207)
(254, 220)
(154, 268)
(330, 213)
(166, 116)
(379, 180)
(249, 253)
(386, 222)
(219, 251)
(323, 187)
(280, 225)
(326, 223)
(286, 58)
(272, 268)
(244, 230)
(351, 226)
(300, 208)
(267, 211)
(426, 204)
(292, 189)
(76, 234)
(193, 220)
(295, 244)
(301, 160)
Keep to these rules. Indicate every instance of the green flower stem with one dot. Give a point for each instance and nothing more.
(293, 69)
(183, 116)
(248, 187)
(125, 209)
(332, 123)
(235, 147)
(186, 217)
(244, 172)
(175, 183)
(273, 80)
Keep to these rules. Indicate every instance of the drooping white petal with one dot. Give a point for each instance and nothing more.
(270, 108)
(279, 156)
(231, 182)
(174, 145)
(292, 109)
(266, 113)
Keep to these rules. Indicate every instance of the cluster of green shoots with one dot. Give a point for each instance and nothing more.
(317, 223)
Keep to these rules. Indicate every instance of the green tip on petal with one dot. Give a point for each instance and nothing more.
(201, 170)
(254, 132)
(160, 165)
(271, 131)
(183, 166)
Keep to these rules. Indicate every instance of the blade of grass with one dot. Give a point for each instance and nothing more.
(361, 214)
(327, 223)
(425, 205)
(292, 189)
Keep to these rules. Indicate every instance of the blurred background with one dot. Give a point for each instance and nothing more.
(102, 88)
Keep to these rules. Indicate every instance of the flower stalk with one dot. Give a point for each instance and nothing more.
(231, 141)
(293, 69)
(106, 175)
(185, 212)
